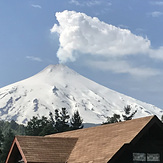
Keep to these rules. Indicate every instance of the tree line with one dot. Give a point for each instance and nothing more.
(117, 118)
(7, 132)
(59, 122)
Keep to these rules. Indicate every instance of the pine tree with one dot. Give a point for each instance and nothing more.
(114, 119)
(39, 127)
(1, 140)
(33, 127)
(52, 119)
(7, 132)
(64, 116)
(76, 121)
(128, 115)
(8, 139)
(57, 123)
(61, 120)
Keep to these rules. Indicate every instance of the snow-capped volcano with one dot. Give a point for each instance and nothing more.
(56, 87)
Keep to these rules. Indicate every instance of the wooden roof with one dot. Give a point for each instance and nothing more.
(91, 145)
(35, 149)
(99, 144)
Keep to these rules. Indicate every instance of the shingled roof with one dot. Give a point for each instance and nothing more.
(91, 145)
(35, 149)
(99, 144)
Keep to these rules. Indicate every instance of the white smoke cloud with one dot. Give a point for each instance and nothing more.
(81, 34)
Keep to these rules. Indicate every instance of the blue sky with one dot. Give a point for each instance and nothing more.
(116, 43)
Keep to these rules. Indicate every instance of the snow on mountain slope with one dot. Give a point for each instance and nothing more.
(56, 87)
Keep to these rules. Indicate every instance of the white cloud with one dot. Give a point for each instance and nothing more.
(140, 29)
(83, 36)
(34, 58)
(75, 2)
(156, 14)
(156, 53)
(159, 3)
(123, 67)
(123, 26)
(93, 3)
(36, 6)
(89, 3)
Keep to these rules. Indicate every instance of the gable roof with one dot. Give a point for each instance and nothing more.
(91, 145)
(35, 149)
(99, 144)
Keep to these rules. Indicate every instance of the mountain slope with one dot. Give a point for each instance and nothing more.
(58, 86)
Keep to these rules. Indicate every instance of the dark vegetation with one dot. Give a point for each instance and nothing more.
(7, 132)
(128, 115)
(59, 122)
(117, 118)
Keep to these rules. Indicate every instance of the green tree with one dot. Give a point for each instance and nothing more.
(39, 127)
(76, 121)
(7, 132)
(48, 129)
(128, 115)
(114, 119)
(18, 129)
(1, 140)
(62, 120)
(8, 139)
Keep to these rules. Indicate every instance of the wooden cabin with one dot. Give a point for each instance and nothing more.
(134, 141)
